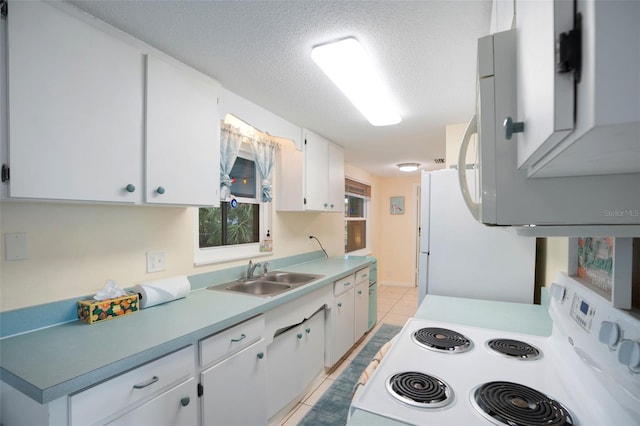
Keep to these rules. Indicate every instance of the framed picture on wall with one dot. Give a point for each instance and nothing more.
(396, 205)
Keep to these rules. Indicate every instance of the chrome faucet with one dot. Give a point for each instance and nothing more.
(251, 268)
(265, 265)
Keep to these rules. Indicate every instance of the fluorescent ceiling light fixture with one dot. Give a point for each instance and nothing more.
(408, 167)
(348, 66)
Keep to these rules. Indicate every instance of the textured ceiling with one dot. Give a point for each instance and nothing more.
(426, 51)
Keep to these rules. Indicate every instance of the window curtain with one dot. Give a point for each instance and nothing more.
(264, 152)
(230, 141)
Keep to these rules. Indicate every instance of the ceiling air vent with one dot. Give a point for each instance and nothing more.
(439, 161)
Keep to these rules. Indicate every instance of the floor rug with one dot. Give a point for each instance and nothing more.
(332, 408)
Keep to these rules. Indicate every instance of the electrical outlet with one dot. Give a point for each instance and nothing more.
(156, 261)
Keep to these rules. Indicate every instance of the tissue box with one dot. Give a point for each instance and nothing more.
(92, 311)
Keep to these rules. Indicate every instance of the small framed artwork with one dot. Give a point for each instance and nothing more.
(397, 205)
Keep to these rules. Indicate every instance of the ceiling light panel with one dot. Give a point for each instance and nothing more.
(348, 67)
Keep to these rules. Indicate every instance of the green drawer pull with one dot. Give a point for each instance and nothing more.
(260, 355)
(160, 190)
(147, 383)
(308, 330)
(185, 401)
(299, 335)
(340, 305)
(242, 336)
(130, 188)
(347, 283)
(359, 291)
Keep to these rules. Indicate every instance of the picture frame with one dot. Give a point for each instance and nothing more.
(396, 205)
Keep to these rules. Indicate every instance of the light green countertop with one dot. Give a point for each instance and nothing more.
(517, 317)
(57, 361)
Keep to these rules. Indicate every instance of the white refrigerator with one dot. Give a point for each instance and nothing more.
(461, 257)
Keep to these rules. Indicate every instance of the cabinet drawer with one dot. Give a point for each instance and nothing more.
(100, 401)
(345, 284)
(231, 340)
(175, 407)
(362, 276)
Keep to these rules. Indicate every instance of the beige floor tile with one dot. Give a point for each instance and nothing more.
(318, 392)
(396, 319)
(403, 310)
(385, 305)
(300, 411)
(407, 301)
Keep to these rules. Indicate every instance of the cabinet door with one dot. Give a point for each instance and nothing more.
(284, 362)
(234, 389)
(75, 109)
(545, 97)
(335, 194)
(316, 168)
(182, 137)
(313, 350)
(343, 332)
(361, 309)
(177, 406)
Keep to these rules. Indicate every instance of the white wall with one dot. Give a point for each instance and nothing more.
(73, 249)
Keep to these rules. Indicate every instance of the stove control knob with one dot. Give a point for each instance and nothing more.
(609, 333)
(557, 291)
(629, 354)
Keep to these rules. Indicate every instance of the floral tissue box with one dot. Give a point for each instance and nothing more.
(92, 311)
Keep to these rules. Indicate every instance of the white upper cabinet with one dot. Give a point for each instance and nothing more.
(75, 109)
(182, 136)
(311, 179)
(585, 121)
(324, 174)
(84, 127)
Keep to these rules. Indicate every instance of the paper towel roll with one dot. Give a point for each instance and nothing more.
(162, 291)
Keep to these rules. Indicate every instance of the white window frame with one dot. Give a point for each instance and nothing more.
(222, 254)
(367, 203)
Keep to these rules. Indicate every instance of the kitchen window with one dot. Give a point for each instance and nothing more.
(356, 214)
(232, 231)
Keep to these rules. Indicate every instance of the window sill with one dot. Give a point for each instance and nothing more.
(228, 254)
(362, 252)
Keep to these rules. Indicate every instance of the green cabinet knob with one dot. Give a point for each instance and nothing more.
(339, 305)
(260, 355)
(325, 205)
(331, 205)
(299, 335)
(359, 291)
(308, 330)
(130, 188)
(185, 401)
(160, 190)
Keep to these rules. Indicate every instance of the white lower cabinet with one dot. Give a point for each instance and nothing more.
(349, 314)
(343, 332)
(233, 391)
(296, 357)
(361, 309)
(177, 406)
(233, 383)
(164, 383)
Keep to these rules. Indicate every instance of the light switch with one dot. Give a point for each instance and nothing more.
(15, 246)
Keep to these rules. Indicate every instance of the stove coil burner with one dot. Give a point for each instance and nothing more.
(441, 339)
(514, 349)
(419, 389)
(514, 404)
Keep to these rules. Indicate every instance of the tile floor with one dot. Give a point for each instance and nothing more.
(395, 306)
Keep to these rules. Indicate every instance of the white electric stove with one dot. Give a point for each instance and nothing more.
(585, 373)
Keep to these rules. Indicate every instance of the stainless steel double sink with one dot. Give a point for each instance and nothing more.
(267, 285)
